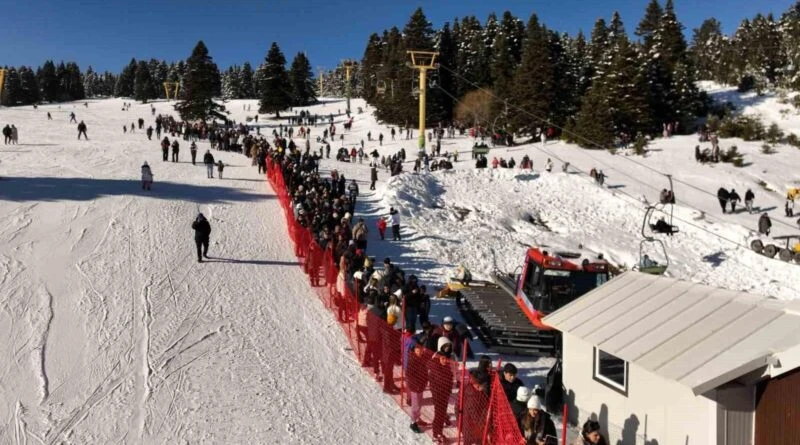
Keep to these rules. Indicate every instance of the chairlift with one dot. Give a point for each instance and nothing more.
(646, 264)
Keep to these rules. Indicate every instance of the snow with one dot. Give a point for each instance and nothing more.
(767, 107)
(113, 333)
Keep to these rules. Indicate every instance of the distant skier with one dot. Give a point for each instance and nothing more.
(147, 176)
(202, 233)
(150, 133)
(723, 195)
(373, 176)
(141, 123)
(49, 116)
(764, 224)
(82, 130)
(176, 148)
(72, 118)
(208, 160)
(193, 152)
(548, 166)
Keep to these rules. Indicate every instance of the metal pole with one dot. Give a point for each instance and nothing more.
(347, 67)
(422, 87)
(460, 410)
(564, 427)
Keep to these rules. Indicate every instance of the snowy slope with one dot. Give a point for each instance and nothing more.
(111, 332)
(768, 107)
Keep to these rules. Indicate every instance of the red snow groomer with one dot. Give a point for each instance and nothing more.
(546, 283)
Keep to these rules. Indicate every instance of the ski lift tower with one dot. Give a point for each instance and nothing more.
(349, 64)
(423, 61)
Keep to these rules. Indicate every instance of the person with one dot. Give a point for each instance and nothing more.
(72, 117)
(666, 197)
(202, 232)
(150, 133)
(440, 375)
(764, 224)
(220, 167)
(548, 166)
(749, 196)
(147, 176)
(601, 178)
(734, 197)
(360, 233)
(520, 403)
(175, 150)
(789, 207)
(447, 330)
(722, 196)
(14, 134)
(49, 116)
(6, 134)
(193, 152)
(394, 215)
(590, 434)
(417, 380)
(208, 160)
(382, 228)
(353, 190)
(81, 130)
(463, 275)
(510, 382)
(646, 262)
(373, 176)
(165, 149)
(662, 226)
(536, 425)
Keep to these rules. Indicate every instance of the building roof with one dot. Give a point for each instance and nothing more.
(697, 335)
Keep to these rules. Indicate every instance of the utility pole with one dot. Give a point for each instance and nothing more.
(423, 61)
(348, 65)
(2, 79)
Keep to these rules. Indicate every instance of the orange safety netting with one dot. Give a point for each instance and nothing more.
(435, 390)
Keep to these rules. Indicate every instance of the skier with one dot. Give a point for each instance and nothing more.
(193, 152)
(764, 224)
(733, 197)
(6, 134)
(220, 167)
(147, 176)
(124, 129)
(601, 178)
(165, 149)
(202, 231)
(373, 176)
(380, 139)
(394, 215)
(49, 117)
(81, 130)
(133, 127)
(723, 196)
(72, 117)
(548, 166)
(141, 123)
(176, 148)
(208, 160)
(150, 133)
(748, 200)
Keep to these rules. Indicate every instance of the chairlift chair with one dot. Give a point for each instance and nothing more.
(655, 268)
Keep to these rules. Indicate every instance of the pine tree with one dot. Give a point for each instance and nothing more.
(593, 126)
(246, 81)
(199, 85)
(650, 23)
(503, 67)
(446, 46)
(598, 48)
(275, 85)
(12, 88)
(126, 80)
(48, 81)
(669, 42)
(533, 90)
(29, 85)
(231, 83)
(790, 45)
(302, 80)
(706, 50)
(90, 82)
(143, 83)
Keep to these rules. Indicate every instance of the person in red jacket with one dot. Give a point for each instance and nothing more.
(382, 227)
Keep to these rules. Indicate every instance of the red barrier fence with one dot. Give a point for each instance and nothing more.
(434, 389)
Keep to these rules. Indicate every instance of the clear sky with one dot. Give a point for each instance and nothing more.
(108, 33)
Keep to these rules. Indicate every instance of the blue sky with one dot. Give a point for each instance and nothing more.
(108, 33)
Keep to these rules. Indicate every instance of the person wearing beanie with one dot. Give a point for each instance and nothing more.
(440, 374)
(536, 425)
(520, 403)
(476, 401)
(590, 434)
(447, 329)
(510, 381)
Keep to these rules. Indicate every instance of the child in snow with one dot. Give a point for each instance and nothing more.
(220, 167)
(382, 227)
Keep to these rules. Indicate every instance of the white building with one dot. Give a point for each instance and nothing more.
(660, 361)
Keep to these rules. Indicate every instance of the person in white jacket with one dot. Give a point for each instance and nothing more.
(147, 176)
(394, 219)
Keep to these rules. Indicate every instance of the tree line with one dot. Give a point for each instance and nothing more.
(520, 76)
(277, 86)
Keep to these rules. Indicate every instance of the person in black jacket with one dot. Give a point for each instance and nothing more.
(749, 196)
(723, 196)
(734, 197)
(536, 425)
(208, 160)
(81, 129)
(202, 232)
(510, 381)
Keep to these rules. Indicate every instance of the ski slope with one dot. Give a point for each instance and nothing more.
(111, 332)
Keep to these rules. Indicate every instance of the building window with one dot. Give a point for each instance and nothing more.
(611, 371)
